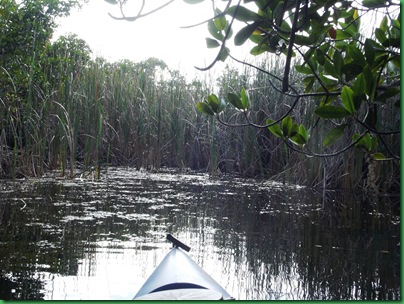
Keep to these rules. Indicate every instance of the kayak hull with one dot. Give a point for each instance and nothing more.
(179, 277)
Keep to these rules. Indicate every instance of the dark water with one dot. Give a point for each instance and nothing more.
(80, 239)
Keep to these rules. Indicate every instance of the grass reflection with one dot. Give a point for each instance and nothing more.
(261, 241)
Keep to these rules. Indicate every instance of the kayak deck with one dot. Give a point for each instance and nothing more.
(183, 294)
(178, 277)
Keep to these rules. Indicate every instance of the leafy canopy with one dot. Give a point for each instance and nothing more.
(26, 29)
(351, 74)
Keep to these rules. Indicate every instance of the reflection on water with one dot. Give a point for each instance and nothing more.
(260, 240)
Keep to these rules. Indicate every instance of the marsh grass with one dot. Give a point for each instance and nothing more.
(143, 115)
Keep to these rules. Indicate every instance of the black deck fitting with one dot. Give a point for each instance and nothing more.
(177, 243)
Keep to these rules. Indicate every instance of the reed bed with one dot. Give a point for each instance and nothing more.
(82, 118)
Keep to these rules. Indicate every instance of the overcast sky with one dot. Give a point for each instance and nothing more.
(158, 35)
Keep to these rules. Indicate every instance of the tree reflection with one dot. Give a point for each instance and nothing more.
(272, 243)
(339, 252)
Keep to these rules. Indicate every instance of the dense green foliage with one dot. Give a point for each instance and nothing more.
(354, 79)
(27, 27)
(350, 76)
(63, 109)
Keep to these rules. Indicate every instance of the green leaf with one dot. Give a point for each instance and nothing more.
(329, 111)
(359, 85)
(214, 31)
(356, 55)
(396, 24)
(298, 135)
(351, 70)
(320, 57)
(357, 20)
(245, 99)
(380, 60)
(298, 139)
(212, 43)
(278, 12)
(228, 30)
(341, 35)
(390, 92)
(374, 142)
(347, 98)
(329, 82)
(111, 1)
(193, 1)
(303, 69)
(294, 130)
(383, 24)
(378, 156)
(287, 124)
(309, 82)
(370, 52)
(259, 49)
(286, 27)
(204, 108)
(310, 52)
(330, 70)
(217, 105)
(318, 34)
(224, 54)
(363, 143)
(392, 42)
(244, 34)
(333, 135)
(275, 129)
(371, 117)
(380, 35)
(220, 22)
(324, 48)
(374, 3)
(303, 40)
(235, 100)
(243, 14)
(367, 142)
(303, 133)
(257, 38)
(370, 82)
(338, 62)
(350, 28)
(358, 89)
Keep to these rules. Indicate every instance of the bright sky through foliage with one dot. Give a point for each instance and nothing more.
(158, 35)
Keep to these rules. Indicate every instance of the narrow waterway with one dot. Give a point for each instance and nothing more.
(82, 239)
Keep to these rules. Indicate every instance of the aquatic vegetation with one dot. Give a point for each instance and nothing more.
(85, 115)
(261, 240)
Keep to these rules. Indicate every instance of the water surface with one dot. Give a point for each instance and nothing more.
(261, 240)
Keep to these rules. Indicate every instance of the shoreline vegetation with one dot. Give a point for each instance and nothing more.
(62, 110)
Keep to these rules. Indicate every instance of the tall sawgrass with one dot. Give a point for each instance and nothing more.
(263, 154)
(143, 115)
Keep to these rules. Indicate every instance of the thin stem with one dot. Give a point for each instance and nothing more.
(140, 15)
(285, 83)
(312, 154)
(222, 47)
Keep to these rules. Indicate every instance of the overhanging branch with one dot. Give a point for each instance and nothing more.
(139, 14)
